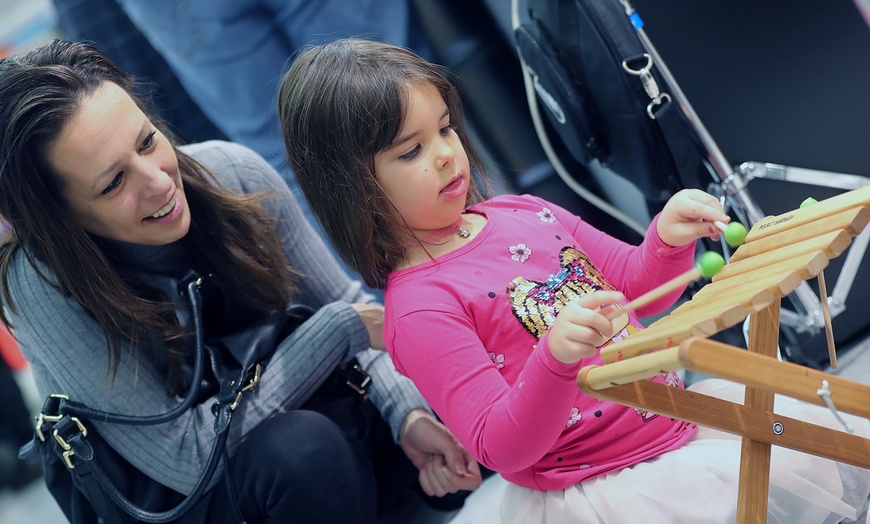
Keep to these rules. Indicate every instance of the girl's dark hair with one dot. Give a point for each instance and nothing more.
(339, 105)
(231, 235)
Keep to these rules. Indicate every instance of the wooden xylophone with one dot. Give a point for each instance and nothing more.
(780, 252)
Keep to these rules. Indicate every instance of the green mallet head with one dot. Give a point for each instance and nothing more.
(808, 202)
(710, 263)
(735, 234)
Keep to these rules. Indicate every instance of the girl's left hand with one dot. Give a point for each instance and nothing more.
(689, 215)
(445, 466)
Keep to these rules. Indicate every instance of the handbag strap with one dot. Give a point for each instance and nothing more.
(62, 417)
(66, 406)
(662, 111)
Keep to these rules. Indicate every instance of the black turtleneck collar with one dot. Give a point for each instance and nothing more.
(169, 259)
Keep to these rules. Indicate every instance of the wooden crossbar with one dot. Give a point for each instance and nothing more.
(722, 414)
(725, 361)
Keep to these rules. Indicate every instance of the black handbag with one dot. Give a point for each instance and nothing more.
(92, 483)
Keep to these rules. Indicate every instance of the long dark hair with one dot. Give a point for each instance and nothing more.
(232, 236)
(340, 104)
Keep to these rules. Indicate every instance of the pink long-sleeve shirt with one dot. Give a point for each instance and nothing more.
(470, 329)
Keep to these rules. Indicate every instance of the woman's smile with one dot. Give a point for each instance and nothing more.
(167, 213)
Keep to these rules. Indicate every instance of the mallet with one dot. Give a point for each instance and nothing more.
(708, 265)
(735, 232)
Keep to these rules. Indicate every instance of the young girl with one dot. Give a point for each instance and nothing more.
(493, 306)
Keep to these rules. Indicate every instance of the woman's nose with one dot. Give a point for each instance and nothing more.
(154, 180)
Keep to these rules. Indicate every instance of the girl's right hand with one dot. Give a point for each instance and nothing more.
(372, 316)
(581, 326)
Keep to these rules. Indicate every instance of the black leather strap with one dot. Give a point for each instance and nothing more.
(61, 427)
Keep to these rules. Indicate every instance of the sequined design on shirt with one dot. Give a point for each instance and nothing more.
(536, 304)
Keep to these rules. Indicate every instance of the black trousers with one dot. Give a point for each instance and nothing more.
(337, 464)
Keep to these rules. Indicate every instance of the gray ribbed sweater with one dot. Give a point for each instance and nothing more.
(68, 352)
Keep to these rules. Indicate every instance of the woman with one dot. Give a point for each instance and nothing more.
(100, 201)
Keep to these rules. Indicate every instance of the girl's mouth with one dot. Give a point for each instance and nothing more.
(455, 189)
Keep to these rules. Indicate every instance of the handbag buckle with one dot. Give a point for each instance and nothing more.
(253, 378)
(43, 417)
(357, 378)
(67, 449)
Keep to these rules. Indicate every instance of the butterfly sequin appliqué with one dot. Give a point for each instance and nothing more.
(536, 304)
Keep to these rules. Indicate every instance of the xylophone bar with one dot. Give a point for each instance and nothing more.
(632, 369)
(809, 214)
(831, 244)
(664, 337)
(851, 221)
(708, 317)
(777, 284)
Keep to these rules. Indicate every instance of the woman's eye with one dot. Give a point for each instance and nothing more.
(410, 154)
(113, 184)
(148, 142)
(446, 129)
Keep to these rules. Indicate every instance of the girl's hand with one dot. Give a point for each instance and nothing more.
(581, 326)
(372, 316)
(445, 466)
(689, 215)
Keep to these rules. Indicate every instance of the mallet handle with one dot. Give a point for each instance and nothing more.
(657, 293)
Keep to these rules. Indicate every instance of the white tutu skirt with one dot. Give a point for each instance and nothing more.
(697, 483)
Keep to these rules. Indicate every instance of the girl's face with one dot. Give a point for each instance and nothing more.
(120, 175)
(425, 171)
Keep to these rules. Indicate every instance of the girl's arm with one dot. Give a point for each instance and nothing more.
(632, 270)
(506, 428)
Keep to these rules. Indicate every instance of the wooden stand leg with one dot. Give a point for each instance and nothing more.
(755, 455)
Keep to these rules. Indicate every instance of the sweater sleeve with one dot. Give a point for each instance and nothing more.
(70, 356)
(322, 279)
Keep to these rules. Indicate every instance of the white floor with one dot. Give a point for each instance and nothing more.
(34, 505)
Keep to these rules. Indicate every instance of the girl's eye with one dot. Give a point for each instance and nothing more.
(446, 129)
(149, 141)
(113, 184)
(410, 154)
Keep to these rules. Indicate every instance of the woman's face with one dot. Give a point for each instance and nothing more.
(119, 173)
(425, 172)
